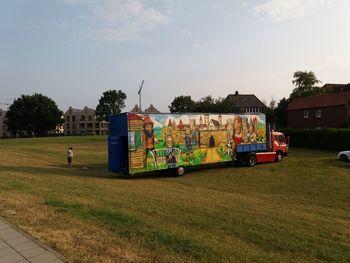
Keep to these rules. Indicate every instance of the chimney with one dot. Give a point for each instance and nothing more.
(236, 93)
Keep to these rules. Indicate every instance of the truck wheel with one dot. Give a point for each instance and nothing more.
(180, 171)
(279, 157)
(251, 160)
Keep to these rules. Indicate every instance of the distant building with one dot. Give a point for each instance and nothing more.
(150, 109)
(136, 109)
(247, 103)
(330, 110)
(4, 132)
(83, 122)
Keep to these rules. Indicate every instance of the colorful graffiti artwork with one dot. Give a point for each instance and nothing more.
(161, 141)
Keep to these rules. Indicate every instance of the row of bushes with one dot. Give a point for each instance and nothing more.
(325, 139)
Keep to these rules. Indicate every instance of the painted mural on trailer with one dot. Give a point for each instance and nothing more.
(161, 141)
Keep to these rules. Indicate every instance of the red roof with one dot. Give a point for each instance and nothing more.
(334, 99)
(181, 125)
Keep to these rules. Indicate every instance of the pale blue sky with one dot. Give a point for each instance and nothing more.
(73, 50)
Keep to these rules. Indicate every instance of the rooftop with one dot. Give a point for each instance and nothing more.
(245, 100)
(328, 100)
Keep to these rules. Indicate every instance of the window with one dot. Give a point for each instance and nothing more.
(82, 118)
(89, 118)
(306, 114)
(134, 140)
(318, 113)
(73, 118)
(67, 118)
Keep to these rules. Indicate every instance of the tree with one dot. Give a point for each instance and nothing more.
(271, 111)
(111, 102)
(182, 104)
(305, 82)
(35, 114)
(206, 104)
(281, 113)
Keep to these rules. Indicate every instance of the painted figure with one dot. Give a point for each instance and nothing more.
(237, 137)
(229, 131)
(251, 133)
(188, 142)
(237, 124)
(193, 131)
(170, 158)
(149, 138)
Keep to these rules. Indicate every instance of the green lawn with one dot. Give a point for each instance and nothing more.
(294, 211)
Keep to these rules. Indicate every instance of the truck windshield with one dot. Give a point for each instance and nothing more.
(281, 139)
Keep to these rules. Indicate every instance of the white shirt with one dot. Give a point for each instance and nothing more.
(70, 153)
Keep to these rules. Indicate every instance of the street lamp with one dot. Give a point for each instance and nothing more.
(139, 92)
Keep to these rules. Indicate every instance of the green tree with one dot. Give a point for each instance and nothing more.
(206, 104)
(271, 111)
(111, 102)
(281, 113)
(35, 114)
(182, 104)
(305, 82)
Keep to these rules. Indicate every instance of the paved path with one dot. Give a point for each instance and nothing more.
(18, 247)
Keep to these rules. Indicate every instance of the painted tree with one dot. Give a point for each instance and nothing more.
(111, 102)
(34, 114)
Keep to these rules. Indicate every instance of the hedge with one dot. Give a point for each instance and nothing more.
(325, 139)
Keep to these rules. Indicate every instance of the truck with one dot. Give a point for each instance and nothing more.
(140, 143)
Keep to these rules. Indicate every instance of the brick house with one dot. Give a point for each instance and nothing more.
(330, 110)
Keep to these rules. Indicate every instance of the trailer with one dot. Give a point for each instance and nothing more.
(141, 143)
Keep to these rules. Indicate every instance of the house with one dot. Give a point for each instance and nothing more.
(330, 110)
(150, 109)
(247, 103)
(136, 109)
(78, 122)
(214, 125)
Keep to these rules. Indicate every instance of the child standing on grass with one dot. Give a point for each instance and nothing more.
(70, 156)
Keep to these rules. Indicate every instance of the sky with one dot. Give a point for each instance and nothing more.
(74, 50)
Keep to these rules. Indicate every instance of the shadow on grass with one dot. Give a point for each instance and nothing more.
(100, 170)
(93, 170)
(335, 163)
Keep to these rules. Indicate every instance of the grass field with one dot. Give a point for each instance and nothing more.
(294, 211)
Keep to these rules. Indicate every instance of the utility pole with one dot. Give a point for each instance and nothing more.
(139, 92)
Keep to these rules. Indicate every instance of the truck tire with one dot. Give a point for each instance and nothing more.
(251, 161)
(180, 171)
(279, 156)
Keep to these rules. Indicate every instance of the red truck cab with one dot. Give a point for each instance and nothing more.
(278, 148)
(279, 145)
